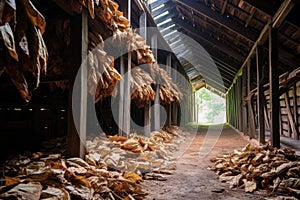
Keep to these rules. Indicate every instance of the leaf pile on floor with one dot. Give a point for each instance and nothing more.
(265, 167)
(41, 176)
(150, 157)
(112, 169)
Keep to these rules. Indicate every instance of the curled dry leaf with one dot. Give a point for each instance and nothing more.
(265, 167)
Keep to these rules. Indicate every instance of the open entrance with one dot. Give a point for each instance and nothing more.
(210, 107)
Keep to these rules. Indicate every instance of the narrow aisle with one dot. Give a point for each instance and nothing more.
(192, 180)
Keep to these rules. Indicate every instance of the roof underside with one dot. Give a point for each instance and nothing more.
(213, 38)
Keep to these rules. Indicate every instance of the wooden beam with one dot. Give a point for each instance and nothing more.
(127, 93)
(76, 135)
(121, 98)
(276, 21)
(244, 103)
(295, 111)
(127, 97)
(169, 109)
(274, 87)
(214, 43)
(147, 119)
(224, 7)
(260, 91)
(143, 25)
(269, 7)
(251, 118)
(219, 19)
(240, 104)
(252, 12)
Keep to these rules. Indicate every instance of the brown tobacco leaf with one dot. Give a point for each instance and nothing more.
(260, 167)
(31, 190)
(250, 186)
(52, 193)
(11, 181)
(9, 41)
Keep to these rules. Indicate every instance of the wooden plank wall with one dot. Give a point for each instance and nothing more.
(289, 110)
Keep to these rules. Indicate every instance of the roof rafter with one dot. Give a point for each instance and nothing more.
(210, 40)
(220, 19)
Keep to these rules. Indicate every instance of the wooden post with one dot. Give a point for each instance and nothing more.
(147, 108)
(240, 104)
(295, 112)
(169, 109)
(127, 97)
(79, 41)
(274, 87)
(147, 119)
(156, 100)
(251, 120)
(244, 94)
(260, 94)
(175, 106)
(121, 98)
(127, 94)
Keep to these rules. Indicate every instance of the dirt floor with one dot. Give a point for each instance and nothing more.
(192, 180)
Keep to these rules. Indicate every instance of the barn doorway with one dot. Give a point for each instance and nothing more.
(210, 107)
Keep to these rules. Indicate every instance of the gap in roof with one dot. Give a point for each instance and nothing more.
(158, 7)
(161, 15)
(152, 1)
(167, 28)
(164, 22)
(170, 33)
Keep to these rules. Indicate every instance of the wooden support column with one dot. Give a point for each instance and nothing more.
(251, 119)
(169, 109)
(240, 104)
(274, 87)
(147, 119)
(156, 100)
(79, 44)
(244, 94)
(175, 104)
(147, 108)
(127, 97)
(121, 98)
(260, 94)
(126, 8)
(295, 111)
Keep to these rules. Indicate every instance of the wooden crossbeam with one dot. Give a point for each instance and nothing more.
(219, 19)
(281, 13)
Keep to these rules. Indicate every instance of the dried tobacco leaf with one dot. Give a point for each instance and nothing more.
(250, 186)
(52, 193)
(31, 190)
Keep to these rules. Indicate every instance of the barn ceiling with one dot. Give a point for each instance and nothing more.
(224, 35)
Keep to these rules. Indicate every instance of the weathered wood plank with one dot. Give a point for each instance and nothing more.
(260, 91)
(295, 113)
(274, 86)
(290, 117)
(79, 41)
(251, 118)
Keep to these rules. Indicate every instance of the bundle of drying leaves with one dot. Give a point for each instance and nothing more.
(275, 170)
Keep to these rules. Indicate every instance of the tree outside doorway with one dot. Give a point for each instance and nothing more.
(211, 108)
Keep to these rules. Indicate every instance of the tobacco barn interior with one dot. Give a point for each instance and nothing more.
(149, 99)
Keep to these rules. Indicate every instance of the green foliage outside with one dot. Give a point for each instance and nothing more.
(210, 104)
